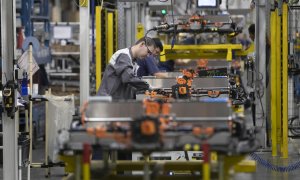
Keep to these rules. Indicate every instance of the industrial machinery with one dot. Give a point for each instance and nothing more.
(188, 86)
(204, 24)
(195, 116)
(156, 126)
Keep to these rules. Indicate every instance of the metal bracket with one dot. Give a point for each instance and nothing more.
(279, 6)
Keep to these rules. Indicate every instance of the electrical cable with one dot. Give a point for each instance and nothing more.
(93, 30)
(175, 28)
(171, 52)
(113, 4)
(270, 166)
(74, 1)
(259, 91)
(295, 132)
(78, 5)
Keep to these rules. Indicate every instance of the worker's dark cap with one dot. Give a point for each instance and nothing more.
(158, 43)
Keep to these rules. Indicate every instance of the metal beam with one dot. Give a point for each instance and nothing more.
(109, 35)
(260, 56)
(285, 80)
(84, 52)
(98, 47)
(10, 145)
(273, 83)
(214, 51)
(121, 25)
(278, 72)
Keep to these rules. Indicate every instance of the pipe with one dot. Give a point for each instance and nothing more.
(20, 162)
(47, 171)
(86, 162)
(93, 31)
(30, 103)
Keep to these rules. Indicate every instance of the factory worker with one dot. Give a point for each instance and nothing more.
(120, 76)
(149, 65)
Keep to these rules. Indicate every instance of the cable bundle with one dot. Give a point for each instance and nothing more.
(270, 166)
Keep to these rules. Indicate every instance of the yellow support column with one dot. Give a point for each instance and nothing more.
(163, 57)
(278, 72)
(98, 47)
(116, 30)
(229, 54)
(109, 35)
(86, 162)
(285, 80)
(273, 83)
(140, 31)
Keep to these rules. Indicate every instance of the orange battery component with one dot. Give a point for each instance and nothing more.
(182, 90)
(165, 109)
(151, 108)
(148, 128)
(189, 73)
(181, 80)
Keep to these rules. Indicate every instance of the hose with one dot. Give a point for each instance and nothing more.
(294, 132)
(270, 166)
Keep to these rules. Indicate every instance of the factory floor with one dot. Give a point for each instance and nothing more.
(261, 172)
(57, 173)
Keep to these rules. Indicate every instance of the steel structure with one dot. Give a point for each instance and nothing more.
(279, 80)
(84, 51)
(9, 124)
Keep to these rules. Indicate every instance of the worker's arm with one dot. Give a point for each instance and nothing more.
(161, 75)
(152, 68)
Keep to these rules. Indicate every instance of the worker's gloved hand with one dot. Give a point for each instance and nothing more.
(135, 87)
(151, 88)
(139, 85)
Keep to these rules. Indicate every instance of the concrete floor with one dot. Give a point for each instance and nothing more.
(261, 173)
(57, 173)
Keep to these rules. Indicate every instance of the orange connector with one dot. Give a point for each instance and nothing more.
(148, 128)
(203, 131)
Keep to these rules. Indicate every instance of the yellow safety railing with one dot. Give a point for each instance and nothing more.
(209, 51)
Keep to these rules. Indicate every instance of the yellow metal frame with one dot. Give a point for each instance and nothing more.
(246, 52)
(279, 81)
(70, 163)
(86, 171)
(206, 171)
(245, 166)
(278, 72)
(210, 51)
(227, 162)
(83, 3)
(285, 80)
(98, 47)
(111, 31)
(109, 35)
(273, 83)
(140, 31)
